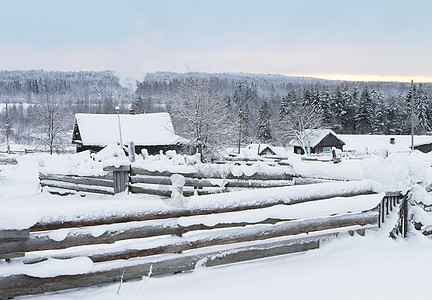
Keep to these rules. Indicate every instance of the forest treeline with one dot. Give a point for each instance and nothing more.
(259, 106)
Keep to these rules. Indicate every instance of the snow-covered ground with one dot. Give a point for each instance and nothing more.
(371, 267)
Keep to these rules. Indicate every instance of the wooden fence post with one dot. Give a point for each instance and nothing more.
(120, 178)
(131, 150)
(7, 236)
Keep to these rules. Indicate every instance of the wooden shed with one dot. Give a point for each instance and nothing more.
(318, 141)
(424, 147)
(153, 132)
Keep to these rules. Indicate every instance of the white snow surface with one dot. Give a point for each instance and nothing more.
(345, 268)
(374, 143)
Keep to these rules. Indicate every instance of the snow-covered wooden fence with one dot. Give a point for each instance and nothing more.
(14, 236)
(402, 223)
(159, 183)
(91, 184)
(172, 240)
(140, 180)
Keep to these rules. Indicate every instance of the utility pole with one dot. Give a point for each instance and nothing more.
(7, 125)
(117, 108)
(240, 129)
(412, 114)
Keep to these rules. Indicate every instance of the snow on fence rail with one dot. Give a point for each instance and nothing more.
(207, 232)
(137, 179)
(159, 183)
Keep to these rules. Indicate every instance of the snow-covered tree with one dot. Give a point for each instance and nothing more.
(396, 118)
(199, 114)
(264, 132)
(299, 124)
(139, 106)
(51, 123)
(365, 113)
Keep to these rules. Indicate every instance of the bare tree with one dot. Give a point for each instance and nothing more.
(201, 116)
(300, 123)
(51, 123)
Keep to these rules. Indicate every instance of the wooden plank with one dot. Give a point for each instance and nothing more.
(20, 285)
(78, 179)
(253, 233)
(77, 187)
(14, 235)
(8, 256)
(164, 191)
(234, 235)
(42, 241)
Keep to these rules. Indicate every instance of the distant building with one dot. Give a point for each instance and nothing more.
(258, 150)
(153, 132)
(424, 147)
(319, 141)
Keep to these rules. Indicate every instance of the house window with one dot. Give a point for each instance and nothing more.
(327, 149)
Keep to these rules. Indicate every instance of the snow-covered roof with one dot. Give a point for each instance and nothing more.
(370, 143)
(252, 150)
(315, 136)
(142, 129)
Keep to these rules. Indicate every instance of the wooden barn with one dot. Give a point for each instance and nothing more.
(425, 147)
(153, 132)
(319, 141)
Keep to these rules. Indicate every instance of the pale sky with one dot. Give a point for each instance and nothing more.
(347, 39)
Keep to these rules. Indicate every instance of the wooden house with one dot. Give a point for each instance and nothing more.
(153, 132)
(256, 151)
(424, 147)
(318, 141)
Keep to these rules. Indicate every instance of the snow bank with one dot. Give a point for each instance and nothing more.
(186, 164)
(83, 163)
(398, 172)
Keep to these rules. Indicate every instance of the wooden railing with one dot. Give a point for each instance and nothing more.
(185, 237)
(136, 179)
(159, 183)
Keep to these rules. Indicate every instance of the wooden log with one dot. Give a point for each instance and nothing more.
(42, 241)
(120, 181)
(8, 256)
(137, 170)
(235, 235)
(165, 191)
(253, 233)
(136, 189)
(14, 235)
(179, 212)
(99, 181)
(20, 285)
(77, 187)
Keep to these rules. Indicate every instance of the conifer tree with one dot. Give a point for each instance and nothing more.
(264, 132)
(364, 113)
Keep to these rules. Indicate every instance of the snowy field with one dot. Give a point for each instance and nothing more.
(371, 267)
